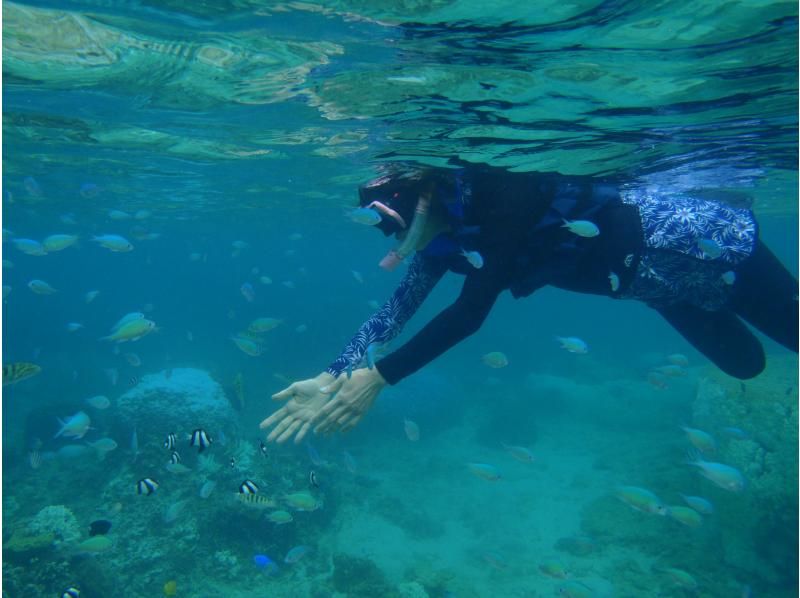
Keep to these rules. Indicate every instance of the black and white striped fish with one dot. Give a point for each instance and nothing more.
(200, 439)
(171, 441)
(146, 486)
(248, 487)
(175, 458)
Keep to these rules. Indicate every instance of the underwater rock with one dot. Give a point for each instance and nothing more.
(438, 581)
(758, 526)
(226, 563)
(57, 521)
(412, 589)
(178, 401)
(360, 577)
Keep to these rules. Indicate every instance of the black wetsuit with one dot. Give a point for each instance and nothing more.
(511, 221)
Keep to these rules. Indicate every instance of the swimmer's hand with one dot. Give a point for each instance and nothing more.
(352, 399)
(305, 400)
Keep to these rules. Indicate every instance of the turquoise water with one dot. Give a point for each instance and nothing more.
(233, 135)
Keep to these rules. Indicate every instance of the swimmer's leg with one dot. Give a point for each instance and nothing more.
(765, 294)
(719, 335)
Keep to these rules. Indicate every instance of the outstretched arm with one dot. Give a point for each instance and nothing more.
(304, 399)
(388, 321)
(355, 396)
(455, 323)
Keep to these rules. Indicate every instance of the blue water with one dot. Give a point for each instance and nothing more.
(255, 122)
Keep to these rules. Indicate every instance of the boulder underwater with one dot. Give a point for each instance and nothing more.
(178, 401)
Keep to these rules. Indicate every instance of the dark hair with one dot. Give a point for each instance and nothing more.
(399, 187)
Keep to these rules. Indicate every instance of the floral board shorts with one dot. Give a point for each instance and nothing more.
(691, 250)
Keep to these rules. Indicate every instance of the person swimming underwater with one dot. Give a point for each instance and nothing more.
(698, 263)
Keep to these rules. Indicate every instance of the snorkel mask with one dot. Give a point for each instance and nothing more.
(396, 208)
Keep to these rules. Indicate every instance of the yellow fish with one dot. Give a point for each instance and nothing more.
(554, 569)
(58, 242)
(484, 471)
(14, 372)
(171, 588)
(280, 517)
(260, 325)
(40, 287)
(256, 501)
(302, 501)
(685, 515)
(94, 545)
(248, 346)
(520, 453)
(131, 331)
(495, 359)
(678, 359)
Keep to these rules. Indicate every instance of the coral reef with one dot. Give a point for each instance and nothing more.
(360, 577)
(226, 562)
(436, 582)
(758, 526)
(245, 453)
(182, 400)
(22, 542)
(48, 579)
(57, 521)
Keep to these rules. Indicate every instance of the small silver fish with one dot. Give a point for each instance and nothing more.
(349, 462)
(573, 344)
(113, 375)
(582, 228)
(296, 553)
(135, 444)
(710, 247)
(371, 349)
(366, 216)
(314, 456)
(474, 258)
(613, 280)
(40, 287)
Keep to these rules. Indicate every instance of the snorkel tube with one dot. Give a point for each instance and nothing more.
(409, 243)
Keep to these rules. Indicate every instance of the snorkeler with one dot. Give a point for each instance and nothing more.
(698, 263)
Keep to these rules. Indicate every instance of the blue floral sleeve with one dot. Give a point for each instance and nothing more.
(385, 324)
